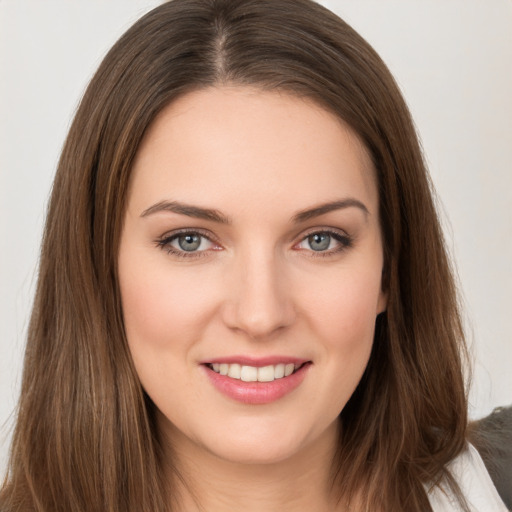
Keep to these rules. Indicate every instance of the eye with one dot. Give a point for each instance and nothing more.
(319, 241)
(189, 242)
(186, 243)
(327, 242)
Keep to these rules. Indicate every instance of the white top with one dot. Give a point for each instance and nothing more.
(475, 483)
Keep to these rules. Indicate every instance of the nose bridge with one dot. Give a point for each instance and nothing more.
(259, 302)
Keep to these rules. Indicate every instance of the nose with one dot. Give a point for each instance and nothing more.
(259, 302)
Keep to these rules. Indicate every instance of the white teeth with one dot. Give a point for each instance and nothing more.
(279, 371)
(266, 374)
(254, 374)
(234, 371)
(249, 374)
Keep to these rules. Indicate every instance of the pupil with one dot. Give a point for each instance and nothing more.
(189, 242)
(319, 241)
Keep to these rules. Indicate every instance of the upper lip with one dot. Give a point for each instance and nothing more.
(256, 361)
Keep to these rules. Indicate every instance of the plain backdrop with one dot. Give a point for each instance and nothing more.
(452, 59)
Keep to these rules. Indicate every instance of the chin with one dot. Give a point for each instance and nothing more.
(268, 442)
(257, 451)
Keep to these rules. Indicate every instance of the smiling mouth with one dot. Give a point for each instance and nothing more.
(247, 373)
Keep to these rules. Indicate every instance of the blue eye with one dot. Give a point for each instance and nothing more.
(189, 242)
(326, 242)
(319, 241)
(186, 243)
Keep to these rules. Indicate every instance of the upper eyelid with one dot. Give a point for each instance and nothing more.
(323, 229)
(167, 236)
(320, 229)
(183, 231)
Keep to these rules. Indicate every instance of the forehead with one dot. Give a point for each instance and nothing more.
(222, 144)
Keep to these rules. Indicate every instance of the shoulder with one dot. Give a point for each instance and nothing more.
(475, 483)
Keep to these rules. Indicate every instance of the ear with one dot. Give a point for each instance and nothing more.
(382, 303)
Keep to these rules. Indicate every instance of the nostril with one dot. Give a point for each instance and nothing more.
(259, 303)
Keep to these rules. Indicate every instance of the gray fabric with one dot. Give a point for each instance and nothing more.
(492, 437)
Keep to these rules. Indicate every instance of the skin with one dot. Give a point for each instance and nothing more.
(255, 287)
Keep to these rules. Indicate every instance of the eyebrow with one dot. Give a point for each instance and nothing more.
(216, 216)
(322, 209)
(188, 210)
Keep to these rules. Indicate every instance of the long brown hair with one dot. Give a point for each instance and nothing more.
(85, 438)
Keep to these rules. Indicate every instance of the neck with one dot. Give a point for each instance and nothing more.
(208, 483)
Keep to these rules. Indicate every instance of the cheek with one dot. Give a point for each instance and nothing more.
(347, 306)
(343, 317)
(163, 311)
(164, 316)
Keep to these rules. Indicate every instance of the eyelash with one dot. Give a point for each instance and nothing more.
(164, 243)
(345, 242)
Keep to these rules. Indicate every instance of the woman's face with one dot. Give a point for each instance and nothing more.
(251, 246)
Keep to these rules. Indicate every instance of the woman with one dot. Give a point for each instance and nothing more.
(243, 286)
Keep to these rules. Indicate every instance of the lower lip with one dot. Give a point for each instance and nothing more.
(257, 392)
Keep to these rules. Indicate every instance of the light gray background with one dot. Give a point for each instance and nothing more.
(452, 59)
